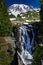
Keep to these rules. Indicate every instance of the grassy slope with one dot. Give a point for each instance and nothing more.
(32, 15)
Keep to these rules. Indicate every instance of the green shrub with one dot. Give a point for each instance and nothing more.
(37, 55)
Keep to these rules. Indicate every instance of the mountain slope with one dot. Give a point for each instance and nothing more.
(16, 9)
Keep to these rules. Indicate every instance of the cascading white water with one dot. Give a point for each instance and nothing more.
(26, 47)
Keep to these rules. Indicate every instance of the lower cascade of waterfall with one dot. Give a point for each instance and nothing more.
(26, 40)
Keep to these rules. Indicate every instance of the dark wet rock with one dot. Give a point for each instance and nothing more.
(15, 58)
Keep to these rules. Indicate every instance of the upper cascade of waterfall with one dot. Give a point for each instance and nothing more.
(26, 40)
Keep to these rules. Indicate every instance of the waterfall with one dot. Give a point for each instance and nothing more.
(26, 46)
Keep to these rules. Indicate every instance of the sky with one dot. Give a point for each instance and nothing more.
(34, 3)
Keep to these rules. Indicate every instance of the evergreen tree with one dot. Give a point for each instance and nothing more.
(41, 11)
(38, 52)
(5, 24)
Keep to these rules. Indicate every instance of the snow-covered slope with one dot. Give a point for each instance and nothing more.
(16, 9)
